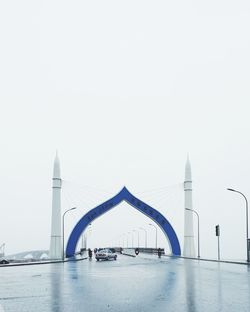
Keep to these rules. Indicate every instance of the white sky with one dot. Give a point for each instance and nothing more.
(124, 89)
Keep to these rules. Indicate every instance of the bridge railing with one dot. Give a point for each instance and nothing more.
(131, 250)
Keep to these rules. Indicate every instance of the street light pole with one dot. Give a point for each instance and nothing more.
(87, 234)
(155, 234)
(123, 235)
(145, 236)
(232, 190)
(198, 218)
(63, 230)
(132, 239)
(120, 240)
(138, 237)
(127, 238)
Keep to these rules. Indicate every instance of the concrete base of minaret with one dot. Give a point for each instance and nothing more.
(55, 248)
(189, 249)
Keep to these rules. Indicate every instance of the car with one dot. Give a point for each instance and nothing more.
(105, 254)
(4, 261)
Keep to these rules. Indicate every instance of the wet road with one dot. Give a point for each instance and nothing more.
(128, 284)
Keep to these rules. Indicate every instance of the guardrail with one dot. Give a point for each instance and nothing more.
(152, 250)
(131, 250)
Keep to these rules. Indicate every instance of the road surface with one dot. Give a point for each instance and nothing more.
(141, 284)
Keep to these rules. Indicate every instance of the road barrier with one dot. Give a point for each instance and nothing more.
(134, 250)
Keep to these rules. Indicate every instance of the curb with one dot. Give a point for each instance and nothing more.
(208, 260)
(37, 263)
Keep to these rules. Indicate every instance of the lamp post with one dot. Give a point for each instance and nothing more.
(145, 236)
(127, 238)
(87, 234)
(132, 239)
(232, 190)
(198, 218)
(82, 241)
(155, 234)
(123, 240)
(138, 237)
(63, 230)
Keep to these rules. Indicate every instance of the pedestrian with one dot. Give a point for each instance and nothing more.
(159, 252)
(90, 253)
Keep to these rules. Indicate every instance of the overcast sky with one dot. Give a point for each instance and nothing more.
(124, 90)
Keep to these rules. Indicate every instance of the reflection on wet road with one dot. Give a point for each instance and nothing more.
(139, 284)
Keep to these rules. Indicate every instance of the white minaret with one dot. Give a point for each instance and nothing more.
(188, 249)
(56, 235)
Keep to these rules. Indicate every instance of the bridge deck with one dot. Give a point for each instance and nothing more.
(128, 284)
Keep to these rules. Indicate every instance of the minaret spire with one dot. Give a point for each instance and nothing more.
(188, 249)
(56, 235)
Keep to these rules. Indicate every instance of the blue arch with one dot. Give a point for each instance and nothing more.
(123, 195)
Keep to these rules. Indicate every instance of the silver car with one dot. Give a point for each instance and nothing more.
(105, 254)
